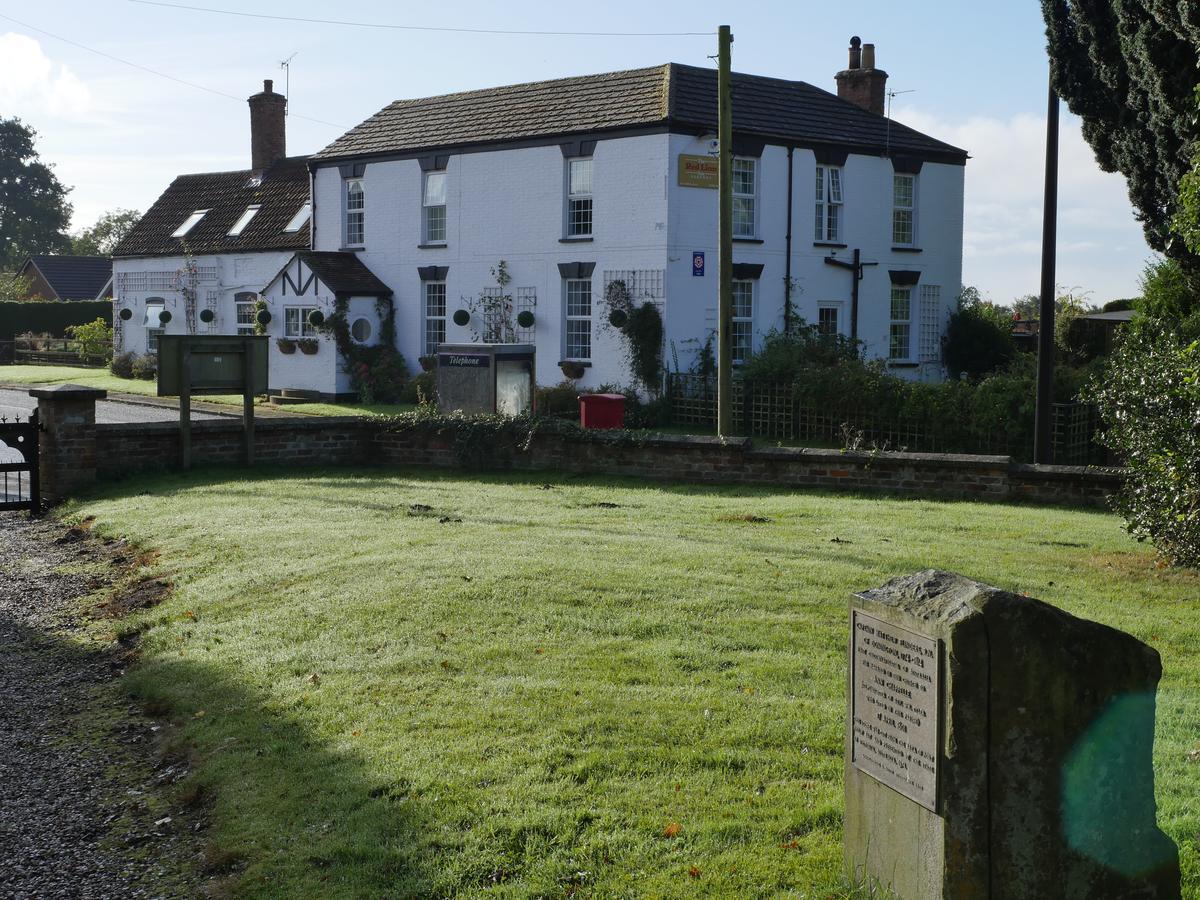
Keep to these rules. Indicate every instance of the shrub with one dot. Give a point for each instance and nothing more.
(784, 357)
(422, 388)
(378, 374)
(978, 338)
(122, 364)
(95, 338)
(1149, 398)
(561, 400)
(145, 366)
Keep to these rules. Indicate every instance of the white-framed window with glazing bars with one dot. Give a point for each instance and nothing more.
(435, 315)
(433, 208)
(355, 202)
(900, 330)
(827, 320)
(578, 332)
(579, 197)
(295, 322)
(745, 193)
(828, 214)
(243, 305)
(742, 320)
(904, 210)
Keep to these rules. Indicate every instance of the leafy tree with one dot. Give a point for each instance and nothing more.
(34, 211)
(109, 230)
(1149, 398)
(15, 288)
(95, 338)
(1170, 295)
(978, 337)
(1128, 69)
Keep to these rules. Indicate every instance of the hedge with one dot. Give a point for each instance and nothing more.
(50, 316)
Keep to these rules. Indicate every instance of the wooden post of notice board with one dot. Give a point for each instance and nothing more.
(185, 406)
(248, 403)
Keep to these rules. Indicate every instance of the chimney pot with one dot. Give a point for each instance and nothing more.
(862, 84)
(268, 137)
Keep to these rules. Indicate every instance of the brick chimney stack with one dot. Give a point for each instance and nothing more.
(268, 137)
(861, 83)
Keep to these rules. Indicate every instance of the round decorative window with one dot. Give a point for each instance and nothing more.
(360, 330)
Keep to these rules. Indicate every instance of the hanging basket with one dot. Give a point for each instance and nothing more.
(572, 369)
(308, 346)
(207, 315)
(525, 318)
(263, 317)
(285, 345)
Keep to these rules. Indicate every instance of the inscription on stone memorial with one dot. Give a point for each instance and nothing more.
(895, 697)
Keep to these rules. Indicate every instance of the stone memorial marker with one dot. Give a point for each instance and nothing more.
(997, 747)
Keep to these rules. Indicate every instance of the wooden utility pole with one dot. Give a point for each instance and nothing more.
(725, 236)
(1043, 446)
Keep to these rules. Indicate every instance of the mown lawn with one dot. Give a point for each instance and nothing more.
(105, 380)
(440, 684)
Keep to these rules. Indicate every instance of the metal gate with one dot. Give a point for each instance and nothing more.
(19, 464)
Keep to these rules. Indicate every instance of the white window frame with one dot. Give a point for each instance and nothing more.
(900, 326)
(297, 327)
(836, 309)
(573, 316)
(243, 220)
(247, 306)
(741, 319)
(355, 218)
(433, 214)
(580, 196)
(303, 214)
(931, 313)
(434, 320)
(829, 225)
(745, 203)
(189, 223)
(902, 211)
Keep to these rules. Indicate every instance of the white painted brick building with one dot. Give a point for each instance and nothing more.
(574, 184)
(497, 166)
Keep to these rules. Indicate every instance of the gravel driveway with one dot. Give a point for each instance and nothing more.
(83, 792)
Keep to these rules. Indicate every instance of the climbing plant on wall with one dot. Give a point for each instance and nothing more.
(641, 328)
(377, 373)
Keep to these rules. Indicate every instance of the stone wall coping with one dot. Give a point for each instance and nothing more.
(233, 424)
(66, 392)
(1098, 474)
(858, 457)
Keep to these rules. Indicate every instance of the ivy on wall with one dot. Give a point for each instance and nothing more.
(641, 328)
(377, 373)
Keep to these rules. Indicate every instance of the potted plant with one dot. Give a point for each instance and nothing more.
(428, 363)
(571, 369)
(308, 346)
(285, 345)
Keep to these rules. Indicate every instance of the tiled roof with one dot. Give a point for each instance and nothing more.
(281, 191)
(74, 277)
(342, 272)
(670, 95)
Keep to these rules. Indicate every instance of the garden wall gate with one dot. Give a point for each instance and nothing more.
(19, 487)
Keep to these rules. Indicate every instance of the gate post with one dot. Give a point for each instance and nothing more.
(67, 451)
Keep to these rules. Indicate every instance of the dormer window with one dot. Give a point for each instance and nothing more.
(240, 225)
(302, 216)
(189, 223)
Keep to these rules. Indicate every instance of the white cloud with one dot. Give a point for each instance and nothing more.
(1100, 243)
(32, 85)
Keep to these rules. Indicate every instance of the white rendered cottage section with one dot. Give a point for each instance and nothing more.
(226, 284)
(511, 205)
(290, 298)
(646, 225)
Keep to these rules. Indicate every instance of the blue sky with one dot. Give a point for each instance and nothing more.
(977, 74)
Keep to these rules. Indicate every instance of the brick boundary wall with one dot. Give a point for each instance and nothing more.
(78, 453)
(122, 450)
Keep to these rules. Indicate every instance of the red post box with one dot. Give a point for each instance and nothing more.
(602, 410)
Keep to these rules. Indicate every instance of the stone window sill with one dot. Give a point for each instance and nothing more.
(441, 246)
(582, 239)
(906, 250)
(747, 240)
(830, 244)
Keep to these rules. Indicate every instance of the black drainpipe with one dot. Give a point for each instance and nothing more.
(787, 263)
(312, 209)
